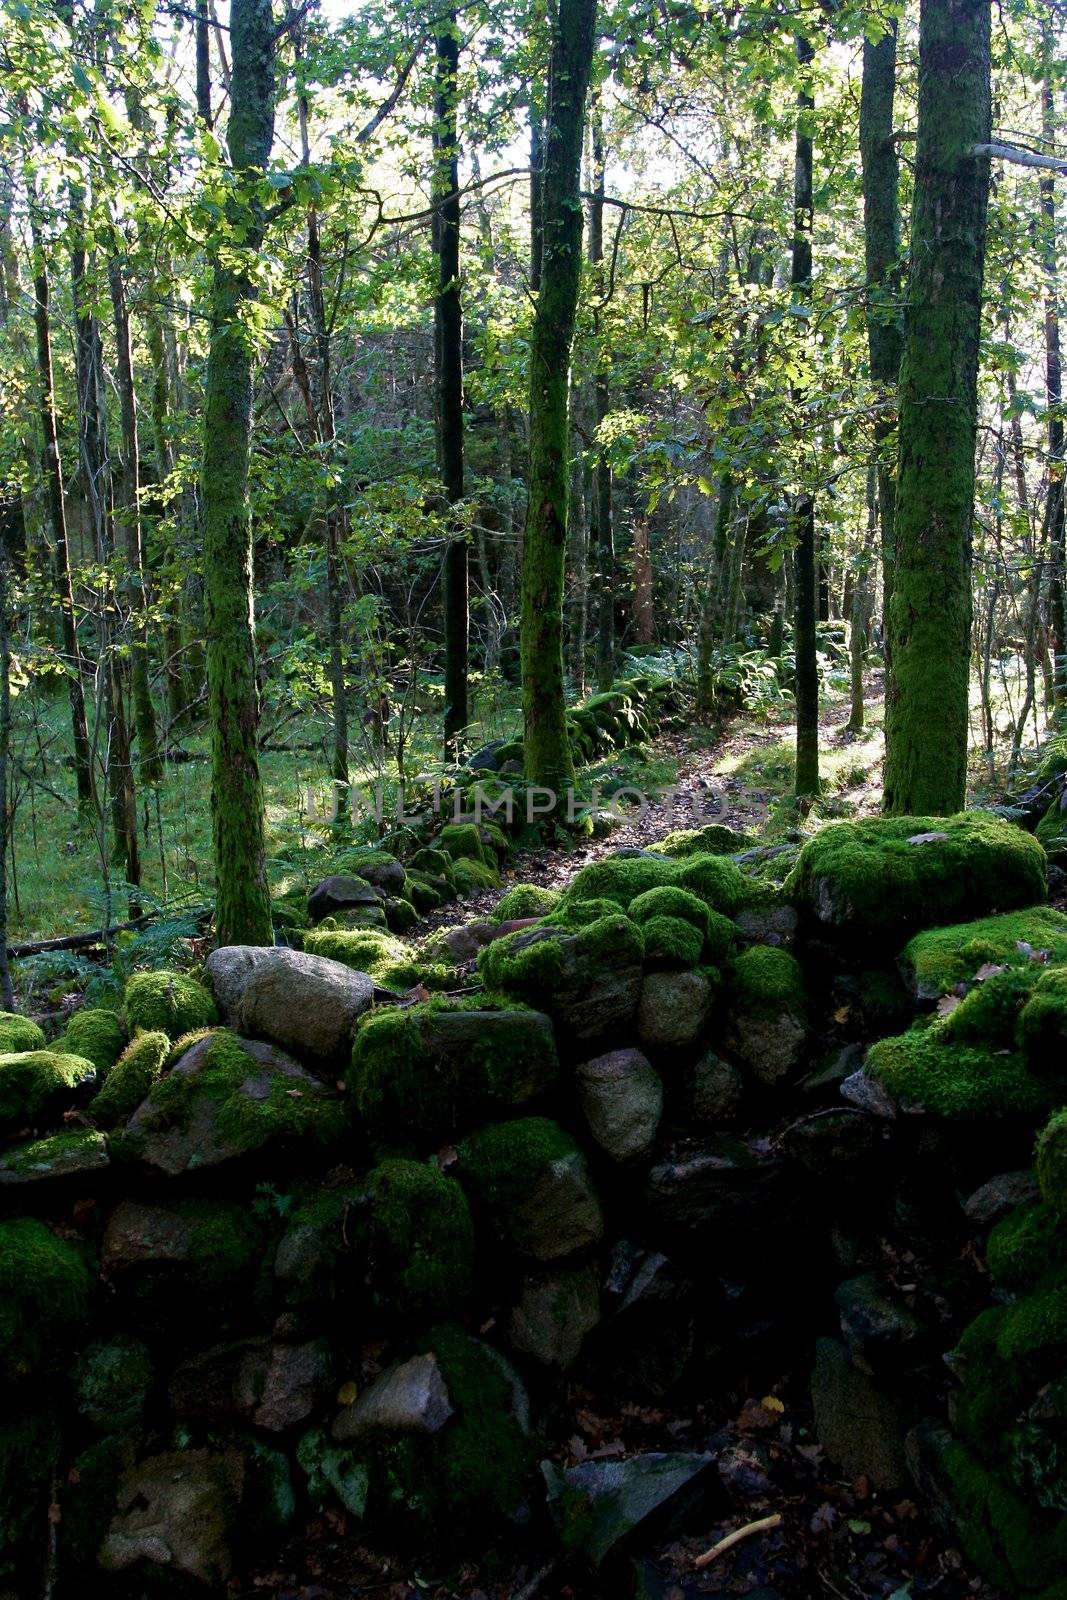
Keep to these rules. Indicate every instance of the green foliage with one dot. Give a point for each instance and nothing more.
(168, 1002)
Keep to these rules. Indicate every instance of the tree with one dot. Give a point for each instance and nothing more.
(806, 565)
(547, 747)
(930, 609)
(448, 364)
(242, 906)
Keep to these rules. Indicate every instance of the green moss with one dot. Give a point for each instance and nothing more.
(671, 902)
(424, 1238)
(578, 914)
(924, 1069)
(715, 839)
(352, 862)
(168, 1002)
(886, 1005)
(941, 958)
(608, 942)
(18, 1034)
(672, 942)
(29, 1451)
(438, 863)
(1052, 1163)
(365, 950)
(391, 1079)
(130, 1079)
(766, 981)
(426, 896)
(470, 876)
(503, 1163)
(620, 879)
(991, 1394)
(1027, 1246)
(96, 1035)
(997, 1530)
(225, 1244)
(55, 1151)
(45, 1288)
(246, 1121)
(1043, 1020)
(461, 841)
(723, 886)
(38, 1083)
(400, 914)
(517, 962)
(525, 900)
(487, 1455)
(1035, 1327)
(989, 1013)
(867, 875)
(111, 1382)
(183, 1044)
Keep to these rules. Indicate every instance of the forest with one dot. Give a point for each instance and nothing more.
(533, 799)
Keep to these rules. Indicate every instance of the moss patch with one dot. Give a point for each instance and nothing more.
(367, 950)
(18, 1034)
(941, 958)
(130, 1079)
(525, 900)
(1027, 1246)
(1043, 1020)
(503, 1163)
(96, 1035)
(925, 1069)
(1052, 1163)
(672, 942)
(767, 981)
(45, 1288)
(39, 1083)
(715, 839)
(168, 1002)
(423, 1238)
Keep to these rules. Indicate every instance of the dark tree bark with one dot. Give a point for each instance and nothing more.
(805, 560)
(1057, 492)
(602, 520)
(547, 747)
(448, 352)
(881, 235)
(930, 613)
(242, 910)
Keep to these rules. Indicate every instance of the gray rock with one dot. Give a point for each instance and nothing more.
(674, 1009)
(273, 1386)
(463, 1039)
(76, 1154)
(856, 1423)
(383, 871)
(201, 1129)
(771, 1047)
(877, 1326)
(622, 1100)
(176, 1513)
(593, 1002)
(299, 1001)
(648, 1337)
(868, 1094)
(561, 1213)
(333, 1469)
(1000, 1196)
(835, 1142)
(554, 1314)
(727, 1186)
(776, 924)
(485, 758)
(341, 893)
(715, 1089)
(599, 1504)
(411, 1397)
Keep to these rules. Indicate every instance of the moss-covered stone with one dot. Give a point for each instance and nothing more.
(672, 942)
(1042, 1030)
(670, 902)
(422, 1239)
(575, 915)
(1052, 1163)
(130, 1079)
(45, 1288)
(29, 1447)
(989, 1013)
(74, 1153)
(96, 1035)
(461, 841)
(999, 1532)
(18, 1034)
(941, 958)
(889, 876)
(168, 1002)
(1027, 1246)
(525, 900)
(196, 1259)
(531, 1180)
(925, 1070)
(766, 981)
(367, 950)
(470, 875)
(400, 914)
(714, 839)
(111, 1382)
(39, 1084)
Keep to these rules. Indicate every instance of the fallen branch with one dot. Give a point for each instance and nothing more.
(78, 941)
(764, 1525)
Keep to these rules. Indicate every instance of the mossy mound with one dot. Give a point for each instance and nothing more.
(97, 1035)
(535, 964)
(1027, 1246)
(367, 950)
(886, 877)
(578, 914)
(525, 900)
(670, 902)
(18, 1034)
(925, 1070)
(111, 1381)
(421, 1075)
(767, 981)
(989, 1013)
(1014, 1546)
(470, 876)
(168, 1002)
(1042, 1029)
(1052, 1163)
(503, 1163)
(422, 1238)
(130, 1079)
(461, 841)
(714, 839)
(45, 1290)
(74, 1153)
(941, 958)
(672, 942)
(39, 1084)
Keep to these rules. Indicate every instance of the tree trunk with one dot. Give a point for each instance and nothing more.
(448, 351)
(1057, 545)
(644, 618)
(547, 747)
(149, 761)
(881, 236)
(242, 910)
(602, 521)
(711, 613)
(52, 469)
(930, 612)
(857, 605)
(805, 564)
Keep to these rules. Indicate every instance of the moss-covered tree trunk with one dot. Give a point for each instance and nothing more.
(805, 558)
(930, 612)
(603, 526)
(881, 237)
(448, 365)
(242, 908)
(1057, 489)
(129, 514)
(547, 748)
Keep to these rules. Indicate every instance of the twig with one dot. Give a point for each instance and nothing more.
(763, 1525)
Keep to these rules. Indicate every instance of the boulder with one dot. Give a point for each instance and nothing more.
(768, 924)
(674, 1009)
(301, 1002)
(878, 1328)
(866, 1093)
(534, 1182)
(411, 1397)
(856, 1422)
(555, 1312)
(192, 1260)
(177, 1513)
(622, 1100)
(76, 1154)
(599, 1504)
(340, 893)
(715, 1088)
(999, 1196)
(274, 1386)
(768, 1019)
(225, 1098)
(728, 1187)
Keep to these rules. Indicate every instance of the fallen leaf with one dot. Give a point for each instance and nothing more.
(824, 1518)
(927, 838)
(347, 1393)
(771, 1402)
(947, 1004)
(989, 969)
